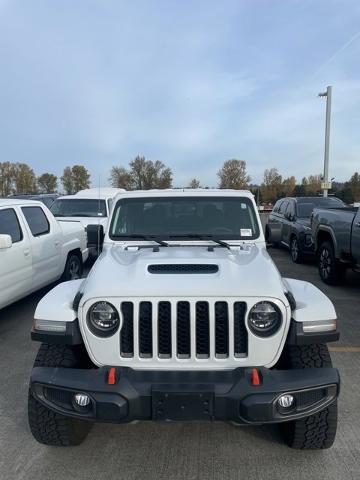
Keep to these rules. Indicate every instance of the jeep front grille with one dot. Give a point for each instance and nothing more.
(183, 329)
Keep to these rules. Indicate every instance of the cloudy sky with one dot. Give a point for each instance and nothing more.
(191, 83)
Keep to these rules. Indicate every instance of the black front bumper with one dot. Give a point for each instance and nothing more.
(185, 396)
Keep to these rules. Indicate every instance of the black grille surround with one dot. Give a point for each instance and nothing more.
(183, 268)
(184, 329)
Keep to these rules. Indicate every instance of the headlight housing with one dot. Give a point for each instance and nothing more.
(264, 319)
(103, 319)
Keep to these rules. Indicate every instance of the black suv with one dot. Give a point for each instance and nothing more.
(289, 223)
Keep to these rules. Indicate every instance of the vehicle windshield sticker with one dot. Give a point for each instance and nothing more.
(245, 232)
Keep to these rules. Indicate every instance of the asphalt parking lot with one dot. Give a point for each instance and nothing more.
(179, 451)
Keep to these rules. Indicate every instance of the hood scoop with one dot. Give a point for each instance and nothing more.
(183, 268)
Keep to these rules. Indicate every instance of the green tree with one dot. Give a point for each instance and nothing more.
(75, 178)
(354, 184)
(6, 179)
(67, 181)
(47, 183)
(233, 175)
(24, 179)
(271, 186)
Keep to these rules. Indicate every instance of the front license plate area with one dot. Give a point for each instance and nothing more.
(182, 406)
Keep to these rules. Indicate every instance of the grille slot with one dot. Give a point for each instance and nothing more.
(202, 330)
(240, 332)
(183, 330)
(145, 330)
(127, 330)
(183, 268)
(164, 329)
(221, 330)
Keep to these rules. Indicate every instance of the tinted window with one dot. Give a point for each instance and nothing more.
(36, 220)
(306, 206)
(83, 207)
(220, 217)
(277, 205)
(9, 225)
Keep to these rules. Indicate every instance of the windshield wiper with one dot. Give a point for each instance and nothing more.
(198, 236)
(151, 238)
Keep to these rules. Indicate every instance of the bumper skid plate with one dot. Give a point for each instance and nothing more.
(185, 396)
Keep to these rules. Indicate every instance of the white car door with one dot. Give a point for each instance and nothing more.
(45, 240)
(15, 261)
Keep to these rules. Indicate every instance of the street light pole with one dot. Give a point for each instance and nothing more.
(326, 185)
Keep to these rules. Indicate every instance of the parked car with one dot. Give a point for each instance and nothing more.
(90, 207)
(36, 250)
(46, 198)
(184, 317)
(336, 236)
(289, 224)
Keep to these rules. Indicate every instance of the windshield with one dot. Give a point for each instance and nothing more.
(304, 208)
(83, 207)
(179, 217)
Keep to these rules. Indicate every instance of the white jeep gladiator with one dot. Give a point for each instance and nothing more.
(35, 249)
(184, 317)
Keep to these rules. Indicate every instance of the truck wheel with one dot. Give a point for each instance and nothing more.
(268, 237)
(48, 427)
(330, 270)
(73, 268)
(317, 431)
(295, 252)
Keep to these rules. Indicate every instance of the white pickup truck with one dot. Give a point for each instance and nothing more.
(36, 249)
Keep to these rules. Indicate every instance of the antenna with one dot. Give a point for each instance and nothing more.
(98, 232)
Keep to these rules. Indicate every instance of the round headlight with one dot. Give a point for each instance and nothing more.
(103, 319)
(264, 319)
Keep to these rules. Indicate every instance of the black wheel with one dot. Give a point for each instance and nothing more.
(317, 431)
(48, 427)
(73, 268)
(330, 270)
(295, 252)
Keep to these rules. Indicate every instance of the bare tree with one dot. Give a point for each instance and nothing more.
(233, 175)
(121, 178)
(47, 183)
(142, 175)
(194, 183)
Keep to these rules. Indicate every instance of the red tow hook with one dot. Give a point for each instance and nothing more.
(111, 376)
(255, 377)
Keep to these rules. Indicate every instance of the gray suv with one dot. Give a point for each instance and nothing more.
(289, 224)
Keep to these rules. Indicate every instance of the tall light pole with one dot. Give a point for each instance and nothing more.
(326, 185)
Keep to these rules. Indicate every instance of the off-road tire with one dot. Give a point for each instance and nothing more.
(331, 271)
(47, 426)
(317, 431)
(73, 268)
(295, 252)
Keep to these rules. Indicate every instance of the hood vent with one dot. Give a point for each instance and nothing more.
(183, 268)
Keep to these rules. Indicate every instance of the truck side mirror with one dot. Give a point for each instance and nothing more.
(95, 236)
(5, 242)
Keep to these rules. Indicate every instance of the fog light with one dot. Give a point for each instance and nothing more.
(82, 399)
(286, 401)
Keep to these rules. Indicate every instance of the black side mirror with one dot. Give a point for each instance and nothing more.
(95, 236)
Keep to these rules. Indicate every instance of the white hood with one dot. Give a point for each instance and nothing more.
(248, 272)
